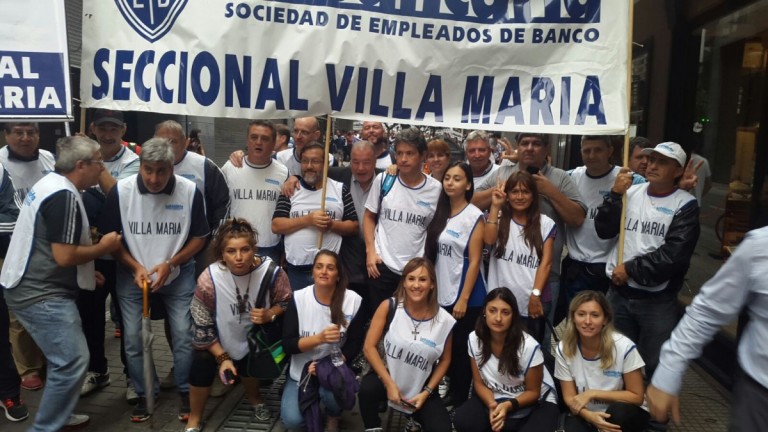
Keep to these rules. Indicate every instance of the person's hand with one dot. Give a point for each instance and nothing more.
(392, 170)
(110, 241)
(690, 176)
(498, 197)
(545, 187)
(236, 158)
(227, 365)
(140, 275)
(312, 368)
(579, 401)
(535, 308)
(100, 279)
(619, 276)
(321, 220)
(498, 416)
(510, 153)
(371, 263)
(161, 272)
(291, 185)
(460, 308)
(393, 393)
(418, 400)
(623, 181)
(260, 316)
(599, 420)
(330, 334)
(660, 404)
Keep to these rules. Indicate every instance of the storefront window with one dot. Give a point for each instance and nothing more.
(730, 101)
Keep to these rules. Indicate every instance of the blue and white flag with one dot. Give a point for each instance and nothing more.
(34, 63)
(553, 66)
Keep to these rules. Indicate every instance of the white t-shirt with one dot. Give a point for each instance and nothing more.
(232, 326)
(452, 260)
(301, 245)
(253, 193)
(586, 374)
(647, 221)
(404, 216)
(26, 174)
(412, 347)
(488, 173)
(314, 317)
(509, 386)
(516, 270)
(583, 243)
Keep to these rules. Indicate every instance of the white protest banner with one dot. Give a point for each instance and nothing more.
(34, 63)
(554, 66)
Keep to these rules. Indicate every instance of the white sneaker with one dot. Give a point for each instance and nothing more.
(261, 412)
(94, 381)
(76, 420)
(130, 393)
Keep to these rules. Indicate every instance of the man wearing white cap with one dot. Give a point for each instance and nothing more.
(662, 228)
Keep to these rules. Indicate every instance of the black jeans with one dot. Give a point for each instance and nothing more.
(91, 305)
(382, 287)
(630, 417)
(473, 416)
(10, 381)
(433, 416)
(459, 371)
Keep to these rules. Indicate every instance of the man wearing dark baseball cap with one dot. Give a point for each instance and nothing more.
(108, 116)
(662, 228)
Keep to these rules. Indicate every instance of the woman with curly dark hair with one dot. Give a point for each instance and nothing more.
(512, 389)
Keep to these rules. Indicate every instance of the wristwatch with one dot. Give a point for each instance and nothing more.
(536, 292)
(273, 318)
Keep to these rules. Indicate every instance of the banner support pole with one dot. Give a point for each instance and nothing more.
(327, 161)
(625, 153)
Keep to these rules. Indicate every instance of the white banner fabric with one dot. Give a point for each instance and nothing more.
(34, 62)
(551, 66)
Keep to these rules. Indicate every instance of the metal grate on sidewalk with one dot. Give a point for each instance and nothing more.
(242, 419)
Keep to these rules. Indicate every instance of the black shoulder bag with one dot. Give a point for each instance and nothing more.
(266, 358)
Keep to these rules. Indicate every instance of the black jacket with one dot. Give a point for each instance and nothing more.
(671, 260)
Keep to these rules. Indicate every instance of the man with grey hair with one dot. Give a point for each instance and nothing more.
(162, 217)
(50, 259)
(479, 156)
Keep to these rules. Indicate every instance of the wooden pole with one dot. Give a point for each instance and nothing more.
(327, 161)
(626, 133)
(82, 121)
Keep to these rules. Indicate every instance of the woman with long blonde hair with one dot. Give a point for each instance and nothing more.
(600, 370)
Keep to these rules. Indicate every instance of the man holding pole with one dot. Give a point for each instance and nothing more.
(163, 220)
(301, 219)
(662, 228)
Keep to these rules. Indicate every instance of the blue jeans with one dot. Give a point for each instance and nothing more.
(289, 405)
(177, 298)
(299, 276)
(646, 321)
(55, 326)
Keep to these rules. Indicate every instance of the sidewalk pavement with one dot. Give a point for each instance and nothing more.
(108, 408)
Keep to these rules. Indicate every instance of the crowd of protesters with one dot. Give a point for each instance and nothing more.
(414, 268)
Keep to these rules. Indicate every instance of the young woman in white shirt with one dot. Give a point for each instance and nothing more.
(419, 335)
(455, 244)
(600, 370)
(522, 239)
(512, 389)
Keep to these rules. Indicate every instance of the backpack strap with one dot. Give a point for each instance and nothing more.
(266, 283)
(390, 314)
